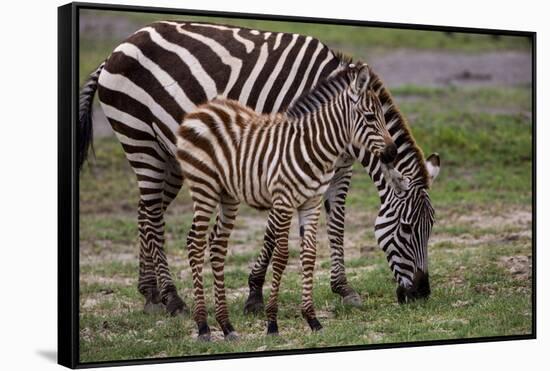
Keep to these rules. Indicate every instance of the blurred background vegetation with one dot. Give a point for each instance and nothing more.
(102, 31)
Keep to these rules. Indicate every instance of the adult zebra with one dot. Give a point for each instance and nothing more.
(165, 69)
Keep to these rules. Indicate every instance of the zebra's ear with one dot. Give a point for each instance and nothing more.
(362, 80)
(433, 164)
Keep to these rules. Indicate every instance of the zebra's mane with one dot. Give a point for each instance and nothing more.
(401, 125)
(343, 58)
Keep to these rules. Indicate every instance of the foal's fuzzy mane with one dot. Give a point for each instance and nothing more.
(393, 114)
(315, 98)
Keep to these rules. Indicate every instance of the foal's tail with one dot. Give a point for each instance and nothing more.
(86, 134)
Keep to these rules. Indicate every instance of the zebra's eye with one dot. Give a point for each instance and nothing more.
(406, 228)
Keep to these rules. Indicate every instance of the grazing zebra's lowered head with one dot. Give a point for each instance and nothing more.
(406, 216)
(404, 225)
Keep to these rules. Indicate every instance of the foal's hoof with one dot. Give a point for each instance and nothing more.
(176, 306)
(232, 336)
(352, 300)
(153, 308)
(314, 324)
(272, 328)
(254, 305)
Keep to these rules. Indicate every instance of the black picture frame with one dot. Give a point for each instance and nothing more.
(68, 182)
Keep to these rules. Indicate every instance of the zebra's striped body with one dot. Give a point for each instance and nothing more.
(284, 162)
(163, 71)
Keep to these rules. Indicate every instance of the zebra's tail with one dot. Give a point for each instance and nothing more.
(85, 99)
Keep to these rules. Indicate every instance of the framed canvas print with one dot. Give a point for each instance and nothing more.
(241, 185)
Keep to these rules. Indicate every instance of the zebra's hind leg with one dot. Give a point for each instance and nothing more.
(196, 244)
(335, 199)
(255, 302)
(147, 283)
(218, 250)
(153, 258)
(279, 221)
(309, 218)
(156, 196)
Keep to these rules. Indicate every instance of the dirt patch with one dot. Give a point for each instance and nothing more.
(90, 256)
(487, 226)
(487, 219)
(519, 266)
(473, 241)
(114, 280)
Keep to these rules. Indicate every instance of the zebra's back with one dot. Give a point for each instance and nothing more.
(166, 69)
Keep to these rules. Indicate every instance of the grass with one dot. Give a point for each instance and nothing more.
(480, 301)
(97, 44)
(479, 250)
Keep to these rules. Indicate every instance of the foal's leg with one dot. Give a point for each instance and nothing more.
(279, 222)
(255, 302)
(196, 243)
(309, 218)
(218, 250)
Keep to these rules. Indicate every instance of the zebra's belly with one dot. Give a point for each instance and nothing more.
(254, 192)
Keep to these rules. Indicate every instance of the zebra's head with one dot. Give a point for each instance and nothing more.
(403, 227)
(368, 124)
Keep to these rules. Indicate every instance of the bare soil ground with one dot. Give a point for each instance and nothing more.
(498, 226)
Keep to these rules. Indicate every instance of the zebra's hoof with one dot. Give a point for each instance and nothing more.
(353, 300)
(204, 338)
(232, 336)
(254, 305)
(176, 306)
(153, 308)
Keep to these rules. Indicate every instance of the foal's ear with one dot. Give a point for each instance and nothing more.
(362, 80)
(433, 165)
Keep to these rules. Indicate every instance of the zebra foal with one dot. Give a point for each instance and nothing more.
(230, 154)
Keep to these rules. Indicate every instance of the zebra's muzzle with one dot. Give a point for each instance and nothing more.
(420, 289)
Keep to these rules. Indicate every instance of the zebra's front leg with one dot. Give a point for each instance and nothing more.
(196, 244)
(255, 302)
(309, 219)
(218, 250)
(335, 200)
(279, 221)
